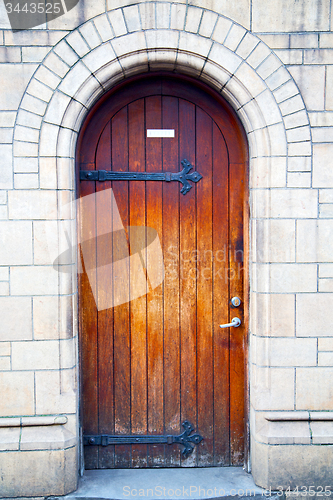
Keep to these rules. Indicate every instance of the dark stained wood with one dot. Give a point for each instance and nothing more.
(104, 226)
(88, 321)
(136, 133)
(204, 280)
(122, 334)
(155, 296)
(188, 287)
(221, 295)
(89, 409)
(170, 242)
(237, 347)
(160, 358)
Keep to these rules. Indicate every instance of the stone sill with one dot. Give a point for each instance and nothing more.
(35, 433)
(294, 427)
(299, 416)
(32, 421)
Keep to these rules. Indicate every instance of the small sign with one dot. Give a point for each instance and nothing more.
(163, 132)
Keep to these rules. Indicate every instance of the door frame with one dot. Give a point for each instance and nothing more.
(246, 230)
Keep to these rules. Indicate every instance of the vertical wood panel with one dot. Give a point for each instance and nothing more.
(155, 296)
(136, 136)
(171, 163)
(187, 276)
(221, 298)
(88, 333)
(237, 339)
(122, 338)
(104, 226)
(204, 278)
(88, 321)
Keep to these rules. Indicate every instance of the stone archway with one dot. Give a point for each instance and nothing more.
(189, 40)
(91, 59)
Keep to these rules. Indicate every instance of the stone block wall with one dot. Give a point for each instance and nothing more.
(274, 62)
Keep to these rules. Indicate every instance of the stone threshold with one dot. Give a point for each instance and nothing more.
(172, 483)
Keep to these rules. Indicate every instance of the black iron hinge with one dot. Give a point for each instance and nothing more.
(107, 175)
(187, 439)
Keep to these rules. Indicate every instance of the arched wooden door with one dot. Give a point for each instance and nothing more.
(152, 353)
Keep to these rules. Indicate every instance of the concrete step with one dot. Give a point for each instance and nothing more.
(171, 484)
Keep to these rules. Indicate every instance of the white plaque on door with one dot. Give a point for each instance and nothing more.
(160, 132)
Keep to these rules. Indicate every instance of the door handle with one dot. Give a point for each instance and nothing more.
(234, 322)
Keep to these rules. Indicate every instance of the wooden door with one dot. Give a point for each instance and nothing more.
(157, 358)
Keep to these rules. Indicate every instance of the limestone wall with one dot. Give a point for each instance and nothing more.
(273, 60)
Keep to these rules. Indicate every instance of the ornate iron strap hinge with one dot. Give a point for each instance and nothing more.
(184, 176)
(186, 439)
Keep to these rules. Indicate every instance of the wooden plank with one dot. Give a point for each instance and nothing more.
(122, 341)
(187, 277)
(221, 298)
(246, 291)
(155, 297)
(171, 193)
(88, 322)
(204, 279)
(104, 226)
(236, 264)
(136, 134)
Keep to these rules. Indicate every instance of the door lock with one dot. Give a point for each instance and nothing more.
(235, 302)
